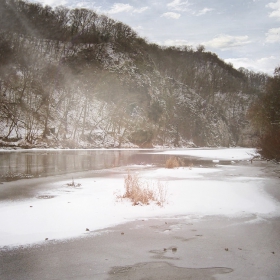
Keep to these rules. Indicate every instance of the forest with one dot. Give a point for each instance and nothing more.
(72, 78)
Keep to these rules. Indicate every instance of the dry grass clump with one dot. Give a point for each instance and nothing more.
(143, 192)
(172, 162)
(73, 184)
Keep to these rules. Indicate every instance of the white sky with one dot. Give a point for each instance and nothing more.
(243, 32)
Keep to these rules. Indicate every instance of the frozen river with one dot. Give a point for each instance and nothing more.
(20, 164)
(220, 218)
(37, 200)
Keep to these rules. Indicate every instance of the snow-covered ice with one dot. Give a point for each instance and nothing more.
(69, 211)
(216, 154)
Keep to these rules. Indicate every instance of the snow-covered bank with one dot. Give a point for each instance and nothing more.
(65, 211)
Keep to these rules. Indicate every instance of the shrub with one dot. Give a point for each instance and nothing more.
(73, 184)
(143, 192)
(172, 162)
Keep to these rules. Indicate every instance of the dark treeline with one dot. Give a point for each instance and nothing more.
(76, 78)
(75, 26)
(265, 116)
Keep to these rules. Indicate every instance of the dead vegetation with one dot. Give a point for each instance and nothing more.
(142, 192)
(73, 184)
(173, 162)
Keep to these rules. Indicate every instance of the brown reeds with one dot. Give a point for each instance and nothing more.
(172, 162)
(142, 192)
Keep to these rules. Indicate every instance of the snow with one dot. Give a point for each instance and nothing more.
(191, 192)
(216, 154)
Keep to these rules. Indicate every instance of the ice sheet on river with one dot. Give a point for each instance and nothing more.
(63, 211)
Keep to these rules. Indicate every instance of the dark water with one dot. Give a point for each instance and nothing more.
(16, 165)
(36, 163)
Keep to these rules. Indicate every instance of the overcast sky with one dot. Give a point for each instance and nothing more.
(243, 32)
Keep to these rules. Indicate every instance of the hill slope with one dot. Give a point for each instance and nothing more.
(72, 78)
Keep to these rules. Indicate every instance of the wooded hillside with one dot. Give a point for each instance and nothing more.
(73, 78)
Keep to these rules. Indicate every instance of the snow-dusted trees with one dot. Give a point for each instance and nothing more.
(77, 77)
